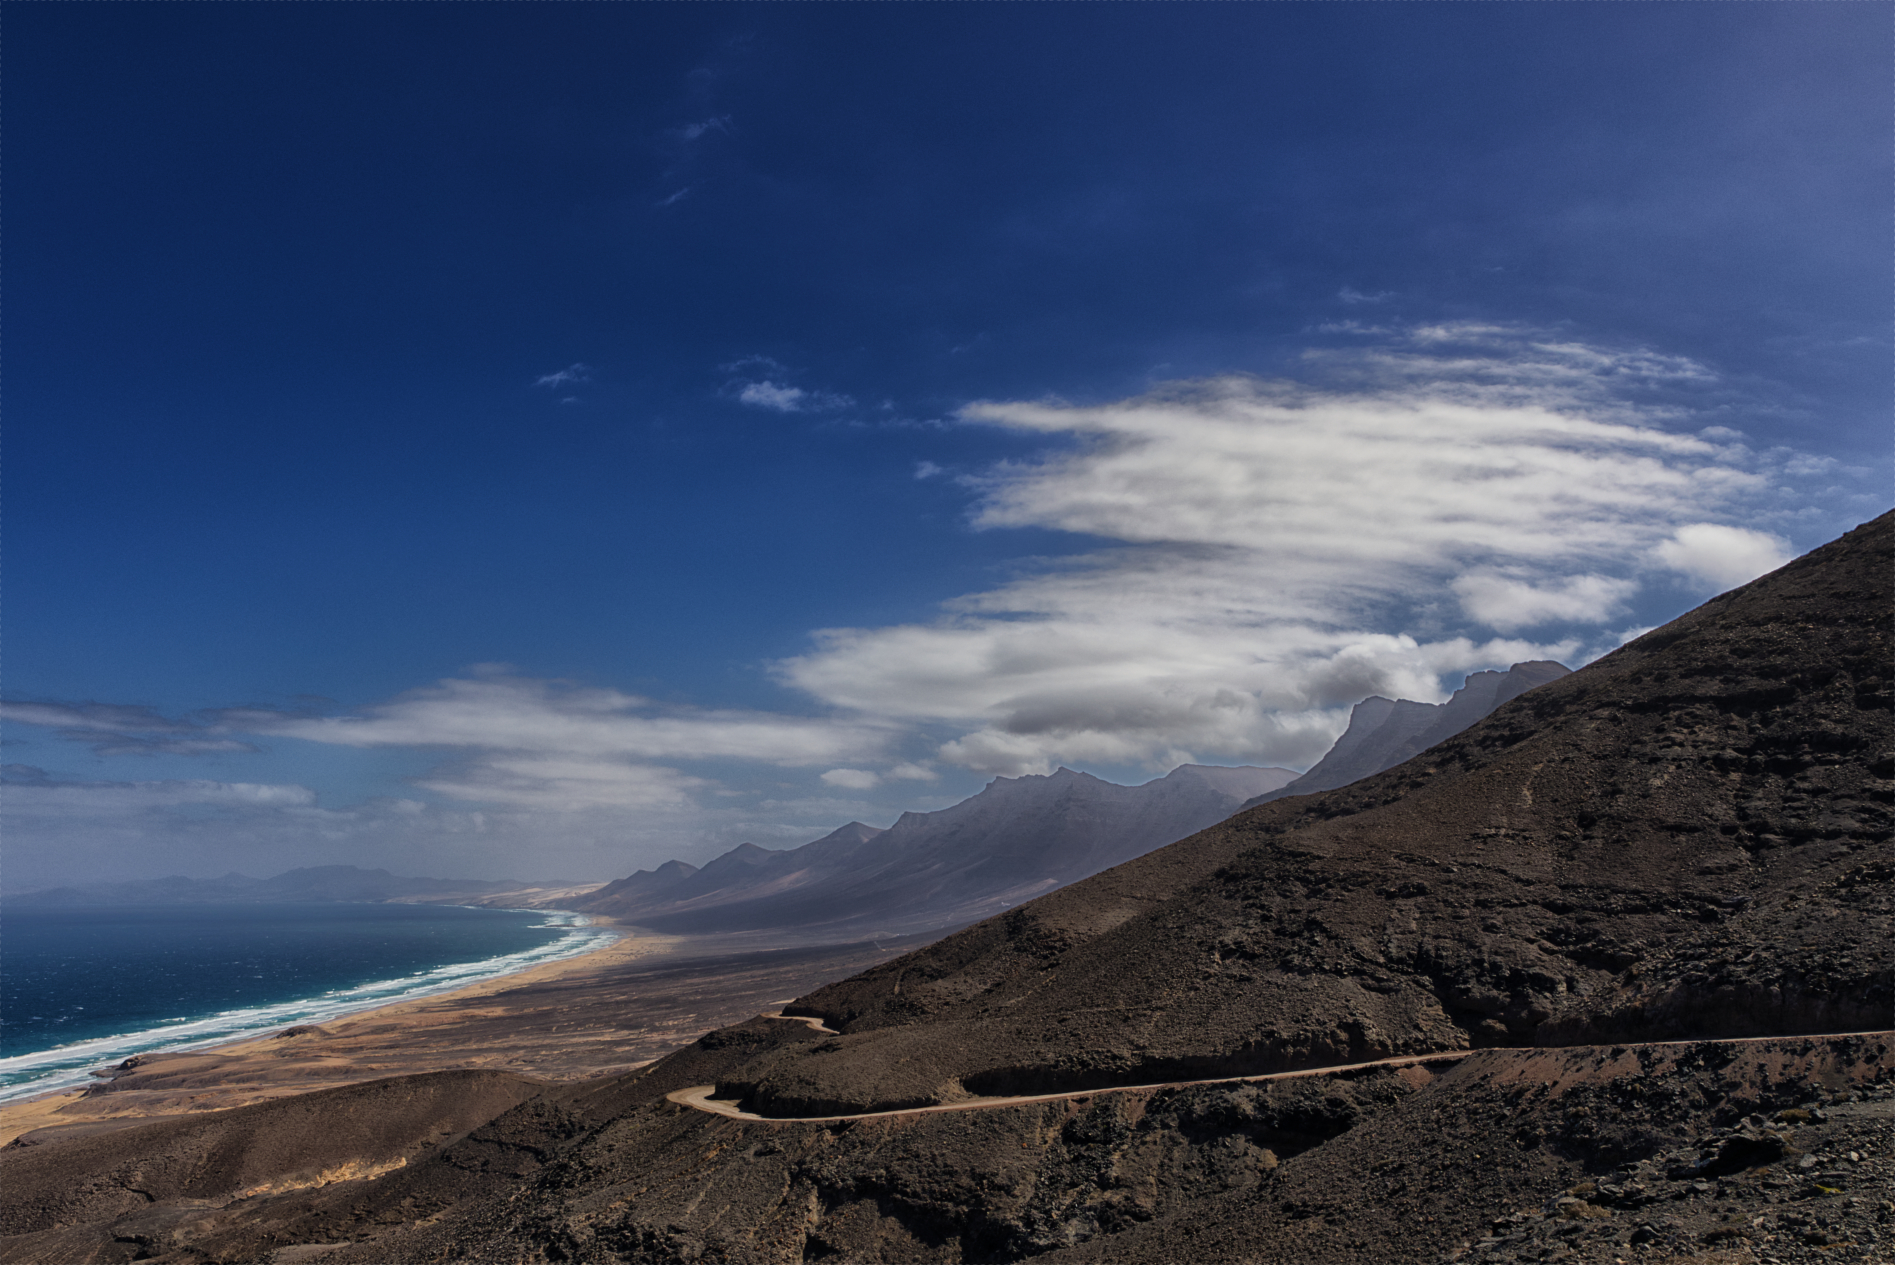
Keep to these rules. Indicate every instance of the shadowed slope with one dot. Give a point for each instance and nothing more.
(1689, 837)
(307, 1141)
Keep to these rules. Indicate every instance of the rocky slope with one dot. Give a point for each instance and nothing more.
(1017, 839)
(1384, 732)
(1687, 838)
(1591, 1154)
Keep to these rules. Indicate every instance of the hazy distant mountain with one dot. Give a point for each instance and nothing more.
(1016, 839)
(1385, 732)
(314, 884)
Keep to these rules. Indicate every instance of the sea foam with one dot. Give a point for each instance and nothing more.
(69, 1066)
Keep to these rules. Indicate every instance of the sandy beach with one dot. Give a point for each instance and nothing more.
(605, 1011)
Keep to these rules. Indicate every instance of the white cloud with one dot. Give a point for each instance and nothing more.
(565, 783)
(760, 383)
(119, 729)
(694, 131)
(514, 714)
(39, 797)
(1509, 604)
(1263, 543)
(571, 375)
(769, 395)
(1720, 557)
(851, 779)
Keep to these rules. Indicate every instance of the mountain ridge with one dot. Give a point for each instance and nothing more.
(1015, 839)
(1384, 732)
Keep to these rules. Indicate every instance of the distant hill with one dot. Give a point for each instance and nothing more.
(313, 884)
(1018, 838)
(1384, 732)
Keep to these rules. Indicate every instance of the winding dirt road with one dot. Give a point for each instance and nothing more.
(699, 1096)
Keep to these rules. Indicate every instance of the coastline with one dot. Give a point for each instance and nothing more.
(100, 1100)
(592, 1015)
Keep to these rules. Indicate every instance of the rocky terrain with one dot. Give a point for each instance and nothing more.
(1634, 927)
(1383, 732)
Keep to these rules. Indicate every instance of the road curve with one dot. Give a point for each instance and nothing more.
(699, 1096)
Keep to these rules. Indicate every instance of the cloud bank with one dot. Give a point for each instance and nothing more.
(1256, 556)
(1462, 497)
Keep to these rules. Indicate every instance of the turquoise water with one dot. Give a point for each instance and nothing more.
(86, 986)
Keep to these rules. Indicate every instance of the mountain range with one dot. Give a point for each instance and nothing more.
(1016, 839)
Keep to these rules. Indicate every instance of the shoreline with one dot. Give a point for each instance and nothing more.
(596, 1014)
(54, 1106)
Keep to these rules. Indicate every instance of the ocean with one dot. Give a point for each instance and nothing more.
(82, 987)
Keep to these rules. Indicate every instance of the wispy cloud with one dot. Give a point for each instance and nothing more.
(1274, 551)
(571, 375)
(121, 729)
(519, 715)
(1351, 295)
(702, 127)
(772, 393)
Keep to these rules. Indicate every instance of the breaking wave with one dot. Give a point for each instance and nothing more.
(70, 1065)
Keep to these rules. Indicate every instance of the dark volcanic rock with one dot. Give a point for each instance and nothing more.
(1508, 1155)
(307, 1140)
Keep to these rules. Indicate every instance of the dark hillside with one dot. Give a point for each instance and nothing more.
(1689, 837)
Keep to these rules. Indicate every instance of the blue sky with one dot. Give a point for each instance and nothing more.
(541, 440)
